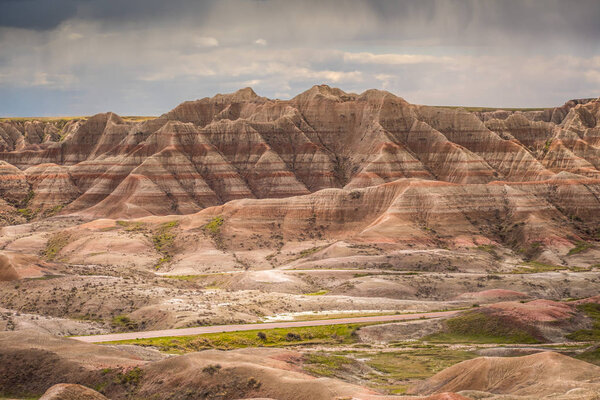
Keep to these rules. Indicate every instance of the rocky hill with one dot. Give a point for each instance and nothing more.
(436, 176)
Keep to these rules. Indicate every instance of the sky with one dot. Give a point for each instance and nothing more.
(143, 57)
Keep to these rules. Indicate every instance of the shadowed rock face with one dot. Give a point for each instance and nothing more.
(537, 172)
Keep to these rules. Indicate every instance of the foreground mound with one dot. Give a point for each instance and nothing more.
(14, 266)
(536, 375)
(65, 391)
(30, 363)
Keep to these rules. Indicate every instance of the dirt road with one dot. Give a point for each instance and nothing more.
(248, 327)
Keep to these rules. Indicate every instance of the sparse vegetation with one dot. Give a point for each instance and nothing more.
(189, 278)
(318, 293)
(591, 355)
(55, 244)
(131, 377)
(211, 369)
(329, 365)
(164, 241)
(534, 267)
(592, 311)
(579, 247)
(53, 211)
(213, 229)
(479, 327)
(123, 322)
(491, 249)
(26, 213)
(130, 226)
(307, 252)
(390, 372)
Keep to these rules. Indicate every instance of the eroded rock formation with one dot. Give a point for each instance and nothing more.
(394, 170)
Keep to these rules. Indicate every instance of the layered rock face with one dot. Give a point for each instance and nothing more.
(422, 172)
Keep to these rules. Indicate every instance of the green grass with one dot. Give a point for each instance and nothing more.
(132, 226)
(579, 247)
(308, 252)
(329, 365)
(319, 293)
(534, 267)
(55, 244)
(213, 229)
(214, 225)
(393, 371)
(479, 327)
(123, 322)
(417, 363)
(188, 278)
(164, 241)
(592, 355)
(592, 311)
(327, 334)
(26, 213)
(491, 249)
(54, 210)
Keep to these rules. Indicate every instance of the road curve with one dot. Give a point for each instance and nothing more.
(111, 337)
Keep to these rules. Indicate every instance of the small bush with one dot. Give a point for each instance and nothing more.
(211, 369)
(292, 337)
(124, 322)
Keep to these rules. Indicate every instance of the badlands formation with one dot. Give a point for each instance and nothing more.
(241, 209)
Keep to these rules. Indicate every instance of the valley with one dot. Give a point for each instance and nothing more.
(330, 246)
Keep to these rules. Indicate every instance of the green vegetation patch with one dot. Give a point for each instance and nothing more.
(491, 249)
(53, 211)
(579, 247)
(327, 334)
(534, 267)
(123, 322)
(391, 372)
(318, 293)
(164, 241)
(330, 365)
(188, 278)
(592, 311)
(592, 355)
(130, 226)
(213, 229)
(480, 327)
(26, 213)
(417, 363)
(55, 244)
(307, 252)
(214, 225)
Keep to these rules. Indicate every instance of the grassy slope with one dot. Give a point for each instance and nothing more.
(327, 334)
(479, 327)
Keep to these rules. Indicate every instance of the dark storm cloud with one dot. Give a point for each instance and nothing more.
(574, 18)
(145, 56)
(48, 14)
(35, 14)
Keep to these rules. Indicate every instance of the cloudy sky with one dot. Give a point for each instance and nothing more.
(143, 57)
